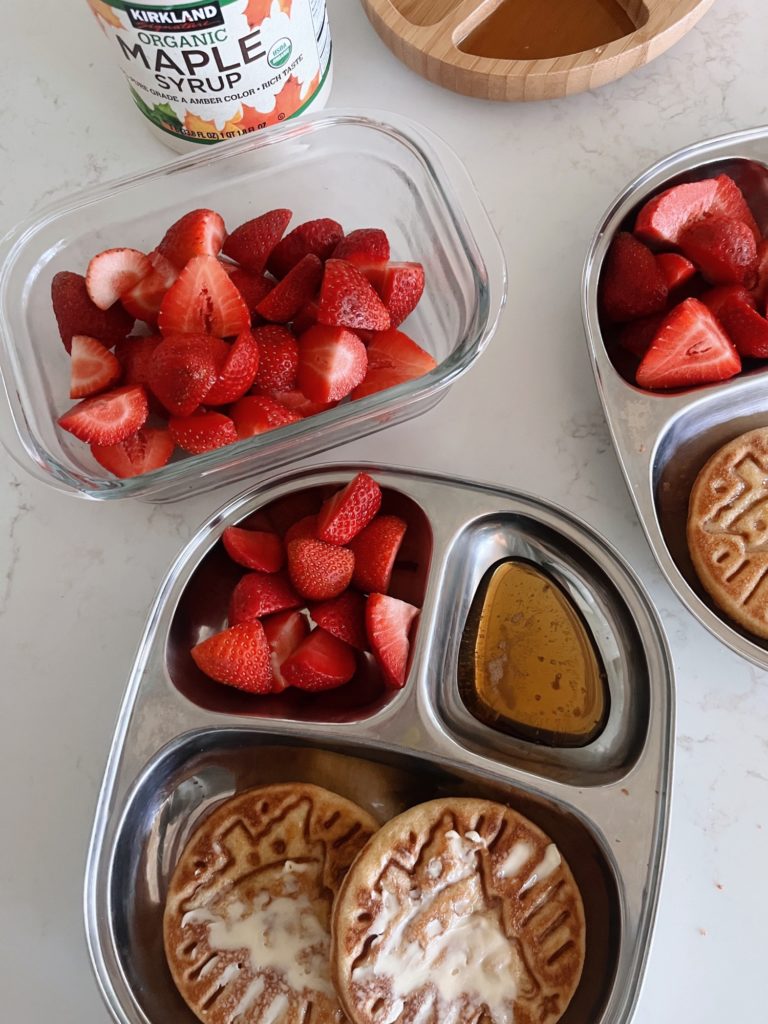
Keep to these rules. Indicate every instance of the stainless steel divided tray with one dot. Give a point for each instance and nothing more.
(184, 743)
(663, 440)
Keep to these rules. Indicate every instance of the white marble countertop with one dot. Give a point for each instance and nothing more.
(77, 578)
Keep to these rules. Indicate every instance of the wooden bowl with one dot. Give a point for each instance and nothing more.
(530, 49)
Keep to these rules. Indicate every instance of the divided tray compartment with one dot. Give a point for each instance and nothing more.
(501, 49)
(663, 440)
(177, 753)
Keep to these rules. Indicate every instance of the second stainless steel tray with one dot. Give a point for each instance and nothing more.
(183, 743)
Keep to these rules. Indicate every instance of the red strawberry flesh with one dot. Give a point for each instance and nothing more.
(344, 617)
(197, 233)
(348, 299)
(388, 623)
(285, 631)
(255, 549)
(631, 284)
(93, 367)
(258, 594)
(76, 314)
(238, 656)
(349, 511)
(109, 418)
(204, 300)
(332, 362)
(251, 243)
(146, 450)
(724, 250)
(321, 662)
(375, 549)
(319, 571)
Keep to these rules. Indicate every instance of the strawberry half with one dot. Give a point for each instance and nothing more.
(401, 287)
(396, 350)
(348, 299)
(76, 314)
(746, 328)
(631, 284)
(364, 245)
(675, 269)
(332, 362)
(202, 432)
(239, 657)
(285, 632)
(183, 369)
(349, 510)
(237, 373)
(388, 623)
(664, 218)
(278, 359)
(197, 233)
(256, 414)
(93, 368)
(252, 287)
(321, 662)
(109, 418)
(255, 549)
(146, 450)
(319, 237)
(258, 594)
(724, 250)
(375, 549)
(293, 292)
(690, 348)
(344, 617)
(203, 299)
(144, 300)
(251, 243)
(114, 272)
(319, 571)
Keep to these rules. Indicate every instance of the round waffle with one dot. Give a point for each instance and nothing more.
(458, 911)
(728, 529)
(247, 916)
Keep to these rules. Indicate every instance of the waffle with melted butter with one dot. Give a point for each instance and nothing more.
(458, 911)
(247, 917)
(727, 529)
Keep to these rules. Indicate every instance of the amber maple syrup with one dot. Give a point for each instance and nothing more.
(528, 664)
(538, 29)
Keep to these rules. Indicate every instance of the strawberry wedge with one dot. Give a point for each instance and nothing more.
(388, 623)
(203, 299)
(690, 348)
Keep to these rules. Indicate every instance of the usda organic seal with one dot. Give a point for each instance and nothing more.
(280, 52)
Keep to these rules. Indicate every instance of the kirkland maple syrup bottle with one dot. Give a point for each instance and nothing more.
(204, 72)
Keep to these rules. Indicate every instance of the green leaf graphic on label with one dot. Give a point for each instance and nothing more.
(162, 114)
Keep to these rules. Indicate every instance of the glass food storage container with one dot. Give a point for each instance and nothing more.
(360, 170)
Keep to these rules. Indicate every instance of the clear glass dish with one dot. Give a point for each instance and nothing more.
(360, 170)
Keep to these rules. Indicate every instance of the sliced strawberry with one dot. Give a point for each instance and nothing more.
(631, 283)
(388, 623)
(135, 358)
(76, 314)
(146, 450)
(93, 367)
(285, 632)
(314, 236)
(332, 361)
(239, 657)
(401, 286)
(203, 300)
(344, 617)
(298, 402)
(183, 369)
(364, 245)
(690, 348)
(293, 292)
(375, 549)
(664, 218)
(380, 379)
(251, 243)
(348, 299)
(725, 294)
(258, 594)
(349, 510)
(746, 328)
(114, 272)
(318, 570)
(304, 529)
(675, 269)
(724, 250)
(237, 373)
(321, 662)
(252, 287)
(396, 350)
(144, 300)
(255, 549)
(197, 233)
(256, 414)
(107, 419)
(202, 432)
(636, 336)
(278, 358)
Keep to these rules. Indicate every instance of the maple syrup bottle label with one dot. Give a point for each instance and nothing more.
(205, 72)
